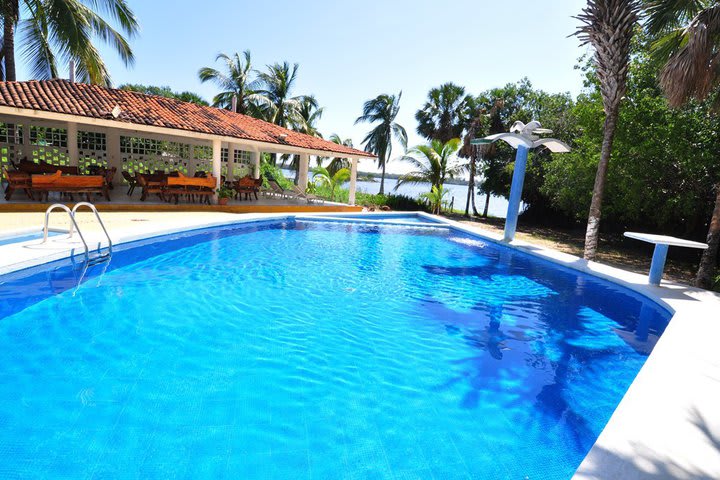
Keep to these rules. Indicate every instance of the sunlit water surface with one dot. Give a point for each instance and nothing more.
(313, 351)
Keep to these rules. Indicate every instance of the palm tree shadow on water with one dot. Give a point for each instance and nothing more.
(540, 349)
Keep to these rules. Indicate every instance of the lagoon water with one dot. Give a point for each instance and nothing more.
(498, 205)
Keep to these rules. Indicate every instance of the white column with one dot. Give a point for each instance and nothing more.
(231, 162)
(303, 171)
(353, 180)
(216, 162)
(25, 149)
(72, 143)
(112, 143)
(255, 160)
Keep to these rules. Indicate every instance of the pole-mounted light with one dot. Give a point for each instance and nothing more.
(523, 138)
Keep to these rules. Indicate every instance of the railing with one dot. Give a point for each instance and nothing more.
(73, 223)
(97, 216)
(75, 227)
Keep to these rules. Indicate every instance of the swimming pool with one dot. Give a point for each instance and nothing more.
(313, 350)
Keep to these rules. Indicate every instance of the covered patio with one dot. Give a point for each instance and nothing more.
(89, 130)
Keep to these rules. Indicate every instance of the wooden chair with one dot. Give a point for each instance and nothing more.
(17, 181)
(247, 185)
(57, 182)
(150, 186)
(132, 182)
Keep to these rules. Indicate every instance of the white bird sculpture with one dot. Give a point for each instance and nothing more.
(528, 135)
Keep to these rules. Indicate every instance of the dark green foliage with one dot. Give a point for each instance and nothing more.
(165, 92)
(663, 168)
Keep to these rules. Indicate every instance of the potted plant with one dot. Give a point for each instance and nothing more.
(224, 194)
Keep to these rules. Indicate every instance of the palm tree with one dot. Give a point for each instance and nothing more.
(308, 113)
(688, 44)
(331, 180)
(383, 110)
(473, 153)
(434, 163)
(435, 198)
(63, 31)
(338, 163)
(276, 102)
(444, 115)
(236, 82)
(608, 25)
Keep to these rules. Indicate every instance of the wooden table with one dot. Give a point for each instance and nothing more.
(662, 243)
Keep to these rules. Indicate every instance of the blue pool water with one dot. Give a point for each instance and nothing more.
(313, 351)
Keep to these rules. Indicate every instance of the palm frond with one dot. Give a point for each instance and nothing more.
(608, 25)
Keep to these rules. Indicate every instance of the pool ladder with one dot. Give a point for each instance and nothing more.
(75, 227)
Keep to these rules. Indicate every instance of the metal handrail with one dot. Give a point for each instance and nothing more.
(73, 223)
(97, 216)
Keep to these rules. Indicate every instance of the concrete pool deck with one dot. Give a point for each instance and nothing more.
(666, 426)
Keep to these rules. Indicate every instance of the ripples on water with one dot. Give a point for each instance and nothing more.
(314, 350)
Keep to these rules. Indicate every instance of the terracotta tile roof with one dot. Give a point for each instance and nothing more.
(62, 96)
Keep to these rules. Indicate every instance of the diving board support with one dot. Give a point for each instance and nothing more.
(662, 244)
(657, 265)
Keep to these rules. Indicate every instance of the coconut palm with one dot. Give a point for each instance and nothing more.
(383, 110)
(332, 180)
(444, 115)
(276, 102)
(236, 81)
(61, 31)
(473, 153)
(338, 163)
(307, 115)
(688, 44)
(433, 163)
(435, 198)
(607, 25)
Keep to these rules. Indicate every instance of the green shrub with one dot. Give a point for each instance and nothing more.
(401, 203)
(267, 170)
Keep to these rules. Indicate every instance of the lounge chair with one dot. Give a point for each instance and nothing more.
(274, 189)
(308, 197)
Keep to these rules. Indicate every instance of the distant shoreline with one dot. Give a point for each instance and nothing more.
(374, 175)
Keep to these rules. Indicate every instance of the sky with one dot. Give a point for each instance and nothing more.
(350, 52)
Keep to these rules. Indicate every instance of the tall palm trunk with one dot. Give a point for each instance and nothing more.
(10, 18)
(471, 191)
(592, 233)
(382, 180)
(708, 263)
(487, 204)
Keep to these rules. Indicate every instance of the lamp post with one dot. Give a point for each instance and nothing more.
(523, 138)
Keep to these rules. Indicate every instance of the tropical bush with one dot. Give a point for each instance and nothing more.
(268, 170)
